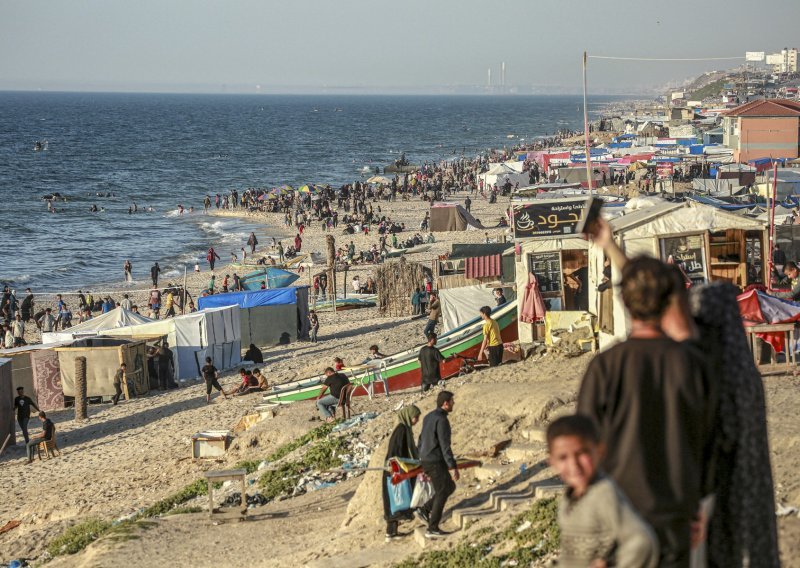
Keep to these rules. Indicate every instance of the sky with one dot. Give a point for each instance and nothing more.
(374, 45)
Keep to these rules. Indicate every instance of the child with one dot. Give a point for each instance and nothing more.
(599, 528)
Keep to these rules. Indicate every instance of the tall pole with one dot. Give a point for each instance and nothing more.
(586, 127)
(771, 234)
(183, 300)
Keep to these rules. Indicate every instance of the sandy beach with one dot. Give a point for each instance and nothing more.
(129, 457)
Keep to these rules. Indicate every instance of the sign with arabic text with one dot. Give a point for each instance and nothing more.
(547, 218)
(688, 253)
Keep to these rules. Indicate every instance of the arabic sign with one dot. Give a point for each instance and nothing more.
(665, 169)
(550, 218)
(547, 268)
(689, 254)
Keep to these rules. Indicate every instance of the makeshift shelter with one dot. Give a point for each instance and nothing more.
(7, 393)
(396, 282)
(213, 332)
(460, 305)
(118, 317)
(708, 243)
(757, 307)
(557, 263)
(36, 369)
(267, 317)
(501, 172)
(271, 277)
(452, 217)
(103, 358)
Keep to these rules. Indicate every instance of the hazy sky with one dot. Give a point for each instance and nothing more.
(199, 45)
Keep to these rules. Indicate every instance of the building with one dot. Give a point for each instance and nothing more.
(783, 62)
(763, 129)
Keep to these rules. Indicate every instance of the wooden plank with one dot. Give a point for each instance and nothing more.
(225, 474)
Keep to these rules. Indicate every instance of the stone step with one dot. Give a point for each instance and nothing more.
(546, 491)
(535, 435)
(524, 453)
(494, 471)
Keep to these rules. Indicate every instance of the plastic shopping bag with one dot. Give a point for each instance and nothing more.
(423, 492)
(399, 495)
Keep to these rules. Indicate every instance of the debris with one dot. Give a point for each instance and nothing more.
(782, 510)
(524, 526)
(9, 525)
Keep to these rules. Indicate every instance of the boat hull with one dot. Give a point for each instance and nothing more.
(403, 371)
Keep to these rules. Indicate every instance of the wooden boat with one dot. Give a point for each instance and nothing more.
(393, 252)
(402, 370)
(274, 278)
(400, 169)
(342, 304)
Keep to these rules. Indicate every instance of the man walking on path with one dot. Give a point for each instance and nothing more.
(436, 457)
(433, 317)
(429, 360)
(23, 405)
(491, 338)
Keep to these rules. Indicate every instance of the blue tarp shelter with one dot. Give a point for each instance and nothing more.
(268, 317)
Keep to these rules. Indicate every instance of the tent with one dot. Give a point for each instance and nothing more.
(213, 332)
(757, 307)
(460, 305)
(452, 217)
(118, 317)
(498, 174)
(267, 317)
(103, 357)
(7, 393)
(271, 276)
(36, 369)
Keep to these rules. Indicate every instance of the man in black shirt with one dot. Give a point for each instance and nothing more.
(436, 457)
(499, 297)
(211, 376)
(429, 359)
(651, 399)
(48, 429)
(327, 403)
(23, 405)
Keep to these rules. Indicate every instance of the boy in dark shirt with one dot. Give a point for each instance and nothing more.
(23, 405)
(429, 360)
(652, 402)
(48, 429)
(211, 376)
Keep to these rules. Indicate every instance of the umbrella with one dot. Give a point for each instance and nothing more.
(379, 179)
(284, 189)
(307, 189)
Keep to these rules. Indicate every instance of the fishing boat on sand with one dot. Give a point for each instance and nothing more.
(401, 370)
(272, 277)
(395, 252)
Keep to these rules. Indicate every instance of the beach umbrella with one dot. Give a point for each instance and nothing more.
(306, 189)
(286, 189)
(379, 179)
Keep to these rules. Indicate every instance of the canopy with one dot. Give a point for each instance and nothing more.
(276, 297)
(118, 317)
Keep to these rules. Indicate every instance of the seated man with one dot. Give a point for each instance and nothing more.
(327, 403)
(253, 354)
(48, 430)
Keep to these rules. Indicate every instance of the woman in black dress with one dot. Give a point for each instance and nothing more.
(401, 445)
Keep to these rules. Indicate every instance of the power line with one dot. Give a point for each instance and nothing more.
(663, 58)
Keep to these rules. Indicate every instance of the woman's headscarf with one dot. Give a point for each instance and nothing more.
(406, 417)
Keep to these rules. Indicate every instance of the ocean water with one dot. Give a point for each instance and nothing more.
(163, 150)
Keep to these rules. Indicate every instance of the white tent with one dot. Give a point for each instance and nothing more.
(118, 317)
(215, 333)
(498, 174)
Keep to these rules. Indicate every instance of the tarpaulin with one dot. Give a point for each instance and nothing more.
(271, 297)
(757, 307)
(483, 266)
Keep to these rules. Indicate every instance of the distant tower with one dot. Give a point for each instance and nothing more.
(489, 81)
(503, 74)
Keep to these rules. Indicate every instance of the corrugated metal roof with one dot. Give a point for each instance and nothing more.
(770, 107)
(483, 266)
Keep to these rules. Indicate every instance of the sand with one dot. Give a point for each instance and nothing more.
(130, 456)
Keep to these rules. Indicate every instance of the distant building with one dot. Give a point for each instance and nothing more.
(763, 129)
(783, 62)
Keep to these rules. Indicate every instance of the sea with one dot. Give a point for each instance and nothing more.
(162, 150)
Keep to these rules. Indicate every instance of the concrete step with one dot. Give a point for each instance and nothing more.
(524, 453)
(534, 435)
(546, 491)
